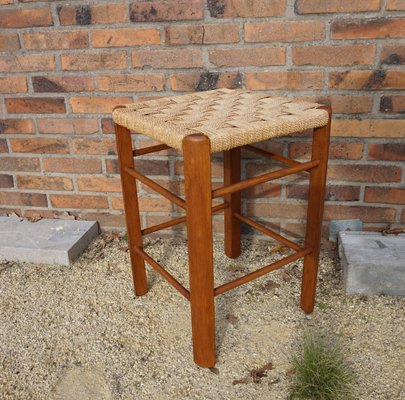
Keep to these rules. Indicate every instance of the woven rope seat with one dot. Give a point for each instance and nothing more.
(230, 118)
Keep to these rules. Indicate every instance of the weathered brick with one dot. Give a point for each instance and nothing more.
(291, 209)
(392, 104)
(396, 5)
(386, 151)
(56, 40)
(125, 37)
(367, 80)
(3, 146)
(6, 181)
(168, 10)
(106, 220)
(284, 31)
(364, 173)
(25, 18)
(93, 61)
(78, 201)
(333, 192)
(263, 190)
(62, 84)
(39, 145)
(23, 199)
(236, 57)
(366, 214)
(4, 2)
(94, 146)
(9, 41)
(246, 8)
(147, 167)
(44, 182)
(337, 150)
(28, 164)
(393, 54)
(403, 217)
(67, 126)
(27, 62)
(13, 84)
(368, 29)
(75, 15)
(36, 105)
(348, 104)
(291, 80)
(202, 34)
(99, 184)
(353, 54)
(96, 104)
(131, 82)
(107, 126)
(369, 128)
(73, 165)
(183, 58)
(384, 195)
(146, 204)
(336, 6)
(199, 81)
(14, 126)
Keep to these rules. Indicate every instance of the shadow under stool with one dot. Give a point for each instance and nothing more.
(198, 125)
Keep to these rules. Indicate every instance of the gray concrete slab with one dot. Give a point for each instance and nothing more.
(336, 226)
(47, 241)
(373, 263)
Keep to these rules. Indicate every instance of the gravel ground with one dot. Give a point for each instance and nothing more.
(78, 332)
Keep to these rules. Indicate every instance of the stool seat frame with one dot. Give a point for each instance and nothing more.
(199, 209)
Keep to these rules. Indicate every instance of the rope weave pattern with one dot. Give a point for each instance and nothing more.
(230, 118)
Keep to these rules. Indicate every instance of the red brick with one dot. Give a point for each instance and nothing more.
(93, 61)
(13, 84)
(36, 105)
(73, 165)
(25, 18)
(39, 145)
(236, 57)
(4, 2)
(44, 182)
(15, 126)
(333, 192)
(364, 173)
(6, 181)
(147, 167)
(396, 5)
(131, 82)
(291, 209)
(198, 81)
(78, 201)
(96, 104)
(291, 80)
(9, 41)
(284, 31)
(184, 58)
(27, 62)
(67, 126)
(367, 80)
(94, 146)
(369, 128)
(125, 37)
(168, 10)
(337, 150)
(23, 199)
(107, 125)
(384, 195)
(202, 34)
(149, 204)
(368, 29)
(56, 40)
(336, 6)
(62, 84)
(403, 217)
(105, 220)
(264, 190)
(3, 146)
(28, 164)
(393, 54)
(246, 8)
(334, 55)
(366, 214)
(99, 184)
(386, 151)
(392, 104)
(348, 104)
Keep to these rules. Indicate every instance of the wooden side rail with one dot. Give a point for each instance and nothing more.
(150, 149)
(247, 183)
(270, 155)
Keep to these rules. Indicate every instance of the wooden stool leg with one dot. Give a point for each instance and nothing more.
(129, 192)
(317, 183)
(232, 224)
(197, 176)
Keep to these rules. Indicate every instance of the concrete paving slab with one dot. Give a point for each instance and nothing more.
(373, 263)
(336, 226)
(47, 241)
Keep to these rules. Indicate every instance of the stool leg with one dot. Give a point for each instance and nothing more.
(232, 224)
(130, 195)
(317, 183)
(197, 176)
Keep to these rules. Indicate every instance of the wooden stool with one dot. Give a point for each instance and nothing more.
(199, 124)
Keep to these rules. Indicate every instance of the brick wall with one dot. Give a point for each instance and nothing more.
(63, 66)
